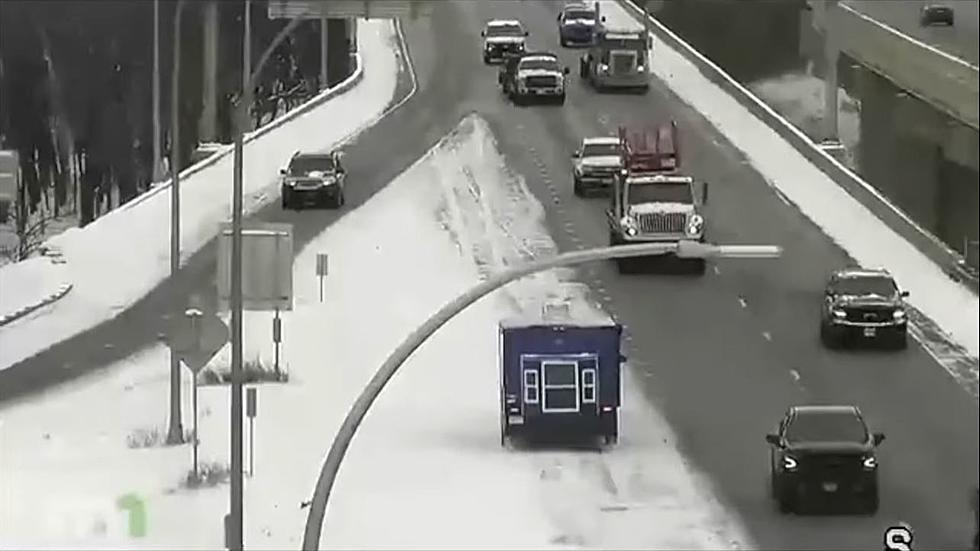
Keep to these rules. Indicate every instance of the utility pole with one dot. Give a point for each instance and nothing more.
(234, 521)
(175, 434)
(831, 55)
(157, 176)
(324, 47)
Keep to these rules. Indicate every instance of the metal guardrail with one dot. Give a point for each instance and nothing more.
(949, 260)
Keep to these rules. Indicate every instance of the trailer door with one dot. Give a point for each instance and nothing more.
(560, 389)
(589, 378)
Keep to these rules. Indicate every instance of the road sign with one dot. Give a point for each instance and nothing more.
(9, 175)
(344, 9)
(321, 264)
(267, 267)
(196, 337)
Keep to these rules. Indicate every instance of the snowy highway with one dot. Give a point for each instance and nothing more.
(721, 356)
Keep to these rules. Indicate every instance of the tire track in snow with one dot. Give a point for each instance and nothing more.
(594, 499)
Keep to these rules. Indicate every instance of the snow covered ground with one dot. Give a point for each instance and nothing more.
(852, 226)
(133, 242)
(426, 470)
(26, 283)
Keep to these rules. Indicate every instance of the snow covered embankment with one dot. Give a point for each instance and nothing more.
(31, 284)
(122, 256)
(852, 226)
(426, 470)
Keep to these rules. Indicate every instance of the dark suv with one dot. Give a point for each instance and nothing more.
(863, 305)
(824, 456)
(313, 178)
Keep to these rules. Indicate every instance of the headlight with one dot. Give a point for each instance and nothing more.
(694, 224)
(288, 183)
(789, 463)
(328, 181)
(870, 463)
(640, 68)
(603, 68)
(838, 313)
(629, 225)
(631, 231)
(899, 314)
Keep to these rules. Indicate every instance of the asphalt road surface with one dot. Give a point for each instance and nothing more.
(722, 356)
(961, 40)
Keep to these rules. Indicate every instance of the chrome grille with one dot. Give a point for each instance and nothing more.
(831, 465)
(541, 81)
(661, 222)
(600, 170)
(307, 184)
(870, 314)
(623, 63)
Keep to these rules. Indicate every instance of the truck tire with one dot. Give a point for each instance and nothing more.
(562, 41)
(785, 499)
(486, 59)
(583, 68)
(698, 266)
(827, 339)
(561, 99)
(870, 503)
(577, 188)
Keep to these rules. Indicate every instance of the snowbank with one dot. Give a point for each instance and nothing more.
(848, 223)
(426, 470)
(26, 284)
(120, 257)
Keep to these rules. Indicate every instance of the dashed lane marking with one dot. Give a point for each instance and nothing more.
(717, 271)
(767, 336)
(742, 302)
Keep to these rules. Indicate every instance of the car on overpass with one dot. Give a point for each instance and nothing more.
(824, 457)
(863, 305)
(313, 178)
(936, 14)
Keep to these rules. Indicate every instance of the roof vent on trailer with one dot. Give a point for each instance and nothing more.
(556, 310)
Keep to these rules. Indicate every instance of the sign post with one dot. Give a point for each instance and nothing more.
(194, 339)
(251, 405)
(321, 270)
(276, 338)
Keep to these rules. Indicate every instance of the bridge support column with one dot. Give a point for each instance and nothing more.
(904, 167)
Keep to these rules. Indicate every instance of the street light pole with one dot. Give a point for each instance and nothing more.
(235, 535)
(156, 92)
(338, 448)
(175, 434)
(831, 34)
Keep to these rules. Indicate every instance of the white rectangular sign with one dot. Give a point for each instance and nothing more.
(267, 267)
(9, 175)
(343, 9)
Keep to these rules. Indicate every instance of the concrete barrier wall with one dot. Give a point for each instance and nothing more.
(949, 260)
(944, 81)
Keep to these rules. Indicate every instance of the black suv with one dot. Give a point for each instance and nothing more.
(313, 178)
(863, 305)
(824, 456)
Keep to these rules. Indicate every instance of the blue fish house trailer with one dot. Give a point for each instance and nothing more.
(560, 377)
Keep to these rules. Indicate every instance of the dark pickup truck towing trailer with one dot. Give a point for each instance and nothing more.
(560, 378)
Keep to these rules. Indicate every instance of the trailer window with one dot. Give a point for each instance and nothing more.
(531, 387)
(588, 386)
